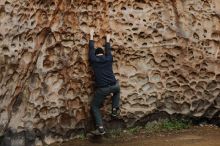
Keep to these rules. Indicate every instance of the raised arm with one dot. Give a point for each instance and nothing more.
(108, 46)
(92, 56)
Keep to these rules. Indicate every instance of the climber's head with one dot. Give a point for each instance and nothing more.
(99, 51)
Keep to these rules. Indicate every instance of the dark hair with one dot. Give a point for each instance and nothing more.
(99, 51)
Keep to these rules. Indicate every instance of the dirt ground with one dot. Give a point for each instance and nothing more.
(195, 136)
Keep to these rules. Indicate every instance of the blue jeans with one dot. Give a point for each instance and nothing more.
(99, 98)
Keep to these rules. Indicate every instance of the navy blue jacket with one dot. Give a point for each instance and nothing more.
(102, 66)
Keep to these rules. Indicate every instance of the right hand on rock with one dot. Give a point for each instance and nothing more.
(91, 32)
(108, 37)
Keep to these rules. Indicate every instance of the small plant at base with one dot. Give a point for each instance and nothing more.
(166, 125)
(115, 133)
(174, 125)
(134, 130)
(81, 136)
(153, 127)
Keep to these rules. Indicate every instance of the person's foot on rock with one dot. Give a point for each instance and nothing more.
(115, 113)
(99, 131)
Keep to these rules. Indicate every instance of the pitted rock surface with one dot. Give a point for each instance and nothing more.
(166, 56)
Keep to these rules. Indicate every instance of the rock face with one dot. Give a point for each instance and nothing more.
(166, 56)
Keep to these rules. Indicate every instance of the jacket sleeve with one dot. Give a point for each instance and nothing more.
(108, 49)
(92, 56)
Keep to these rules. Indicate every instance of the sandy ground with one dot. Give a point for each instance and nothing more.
(195, 136)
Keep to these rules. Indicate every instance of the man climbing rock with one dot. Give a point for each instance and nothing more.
(105, 82)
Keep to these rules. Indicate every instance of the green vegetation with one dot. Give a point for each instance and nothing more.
(81, 136)
(165, 125)
(114, 133)
(176, 124)
(134, 130)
